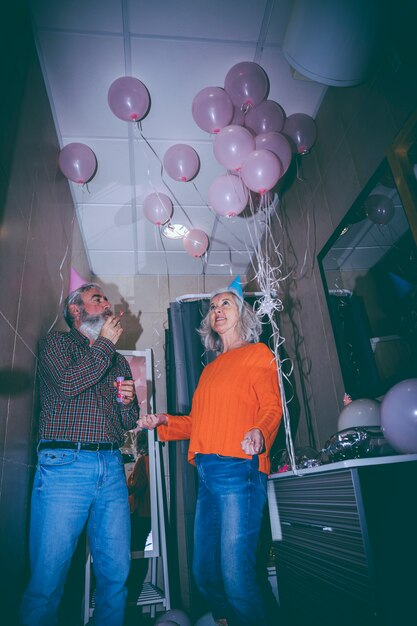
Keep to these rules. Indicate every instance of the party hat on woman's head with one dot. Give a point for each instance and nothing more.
(236, 287)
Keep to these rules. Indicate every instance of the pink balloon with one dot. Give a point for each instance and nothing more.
(157, 208)
(301, 130)
(77, 162)
(195, 242)
(261, 171)
(212, 109)
(278, 144)
(247, 84)
(128, 99)
(238, 118)
(227, 195)
(232, 145)
(260, 201)
(181, 162)
(268, 116)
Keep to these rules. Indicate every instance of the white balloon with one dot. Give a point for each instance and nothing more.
(362, 412)
(399, 416)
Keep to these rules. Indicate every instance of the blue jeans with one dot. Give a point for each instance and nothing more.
(72, 488)
(230, 505)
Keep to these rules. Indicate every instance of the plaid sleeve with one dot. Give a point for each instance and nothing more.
(71, 376)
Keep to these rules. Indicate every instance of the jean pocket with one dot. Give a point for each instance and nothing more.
(50, 458)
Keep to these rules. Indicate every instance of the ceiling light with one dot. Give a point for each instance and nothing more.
(175, 231)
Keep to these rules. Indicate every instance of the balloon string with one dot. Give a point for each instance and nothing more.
(268, 275)
(162, 174)
(62, 279)
(299, 167)
(166, 262)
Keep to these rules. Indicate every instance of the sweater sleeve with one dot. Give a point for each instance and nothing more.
(270, 405)
(178, 427)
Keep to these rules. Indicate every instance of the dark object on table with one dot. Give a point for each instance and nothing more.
(355, 443)
(304, 457)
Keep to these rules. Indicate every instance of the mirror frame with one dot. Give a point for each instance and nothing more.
(398, 155)
(375, 387)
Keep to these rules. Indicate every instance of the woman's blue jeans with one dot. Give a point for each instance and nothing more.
(72, 488)
(230, 505)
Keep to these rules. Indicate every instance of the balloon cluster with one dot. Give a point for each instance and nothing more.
(254, 140)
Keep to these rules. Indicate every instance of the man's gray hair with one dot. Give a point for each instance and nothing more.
(75, 298)
(249, 326)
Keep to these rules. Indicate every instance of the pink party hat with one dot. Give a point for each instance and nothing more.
(75, 280)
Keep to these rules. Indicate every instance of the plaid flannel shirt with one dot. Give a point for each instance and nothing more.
(78, 399)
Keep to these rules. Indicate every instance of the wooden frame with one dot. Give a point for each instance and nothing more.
(402, 157)
(140, 362)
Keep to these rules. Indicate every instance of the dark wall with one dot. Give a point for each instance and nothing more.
(355, 126)
(36, 230)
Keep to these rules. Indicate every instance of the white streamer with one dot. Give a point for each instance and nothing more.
(268, 275)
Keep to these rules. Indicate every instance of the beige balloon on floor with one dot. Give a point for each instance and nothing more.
(362, 412)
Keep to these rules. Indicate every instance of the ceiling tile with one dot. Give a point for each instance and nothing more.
(95, 15)
(216, 19)
(112, 262)
(176, 49)
(107, 227)
(79, 71)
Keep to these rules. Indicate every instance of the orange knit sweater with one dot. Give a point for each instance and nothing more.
(236, 392)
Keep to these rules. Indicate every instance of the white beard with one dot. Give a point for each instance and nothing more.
(91, 329)
(91, 325)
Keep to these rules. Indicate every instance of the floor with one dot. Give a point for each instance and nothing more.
(135, 617)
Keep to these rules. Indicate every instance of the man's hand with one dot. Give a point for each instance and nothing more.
(152, 420)
(253, 442)
(112, 328)
(127, 391)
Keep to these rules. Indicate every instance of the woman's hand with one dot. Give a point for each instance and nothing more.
(152, 420)
(253, 442)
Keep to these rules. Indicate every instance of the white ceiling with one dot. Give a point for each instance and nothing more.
(176, 48)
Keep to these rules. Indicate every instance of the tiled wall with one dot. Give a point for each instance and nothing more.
(355, 126)
(36, 246)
